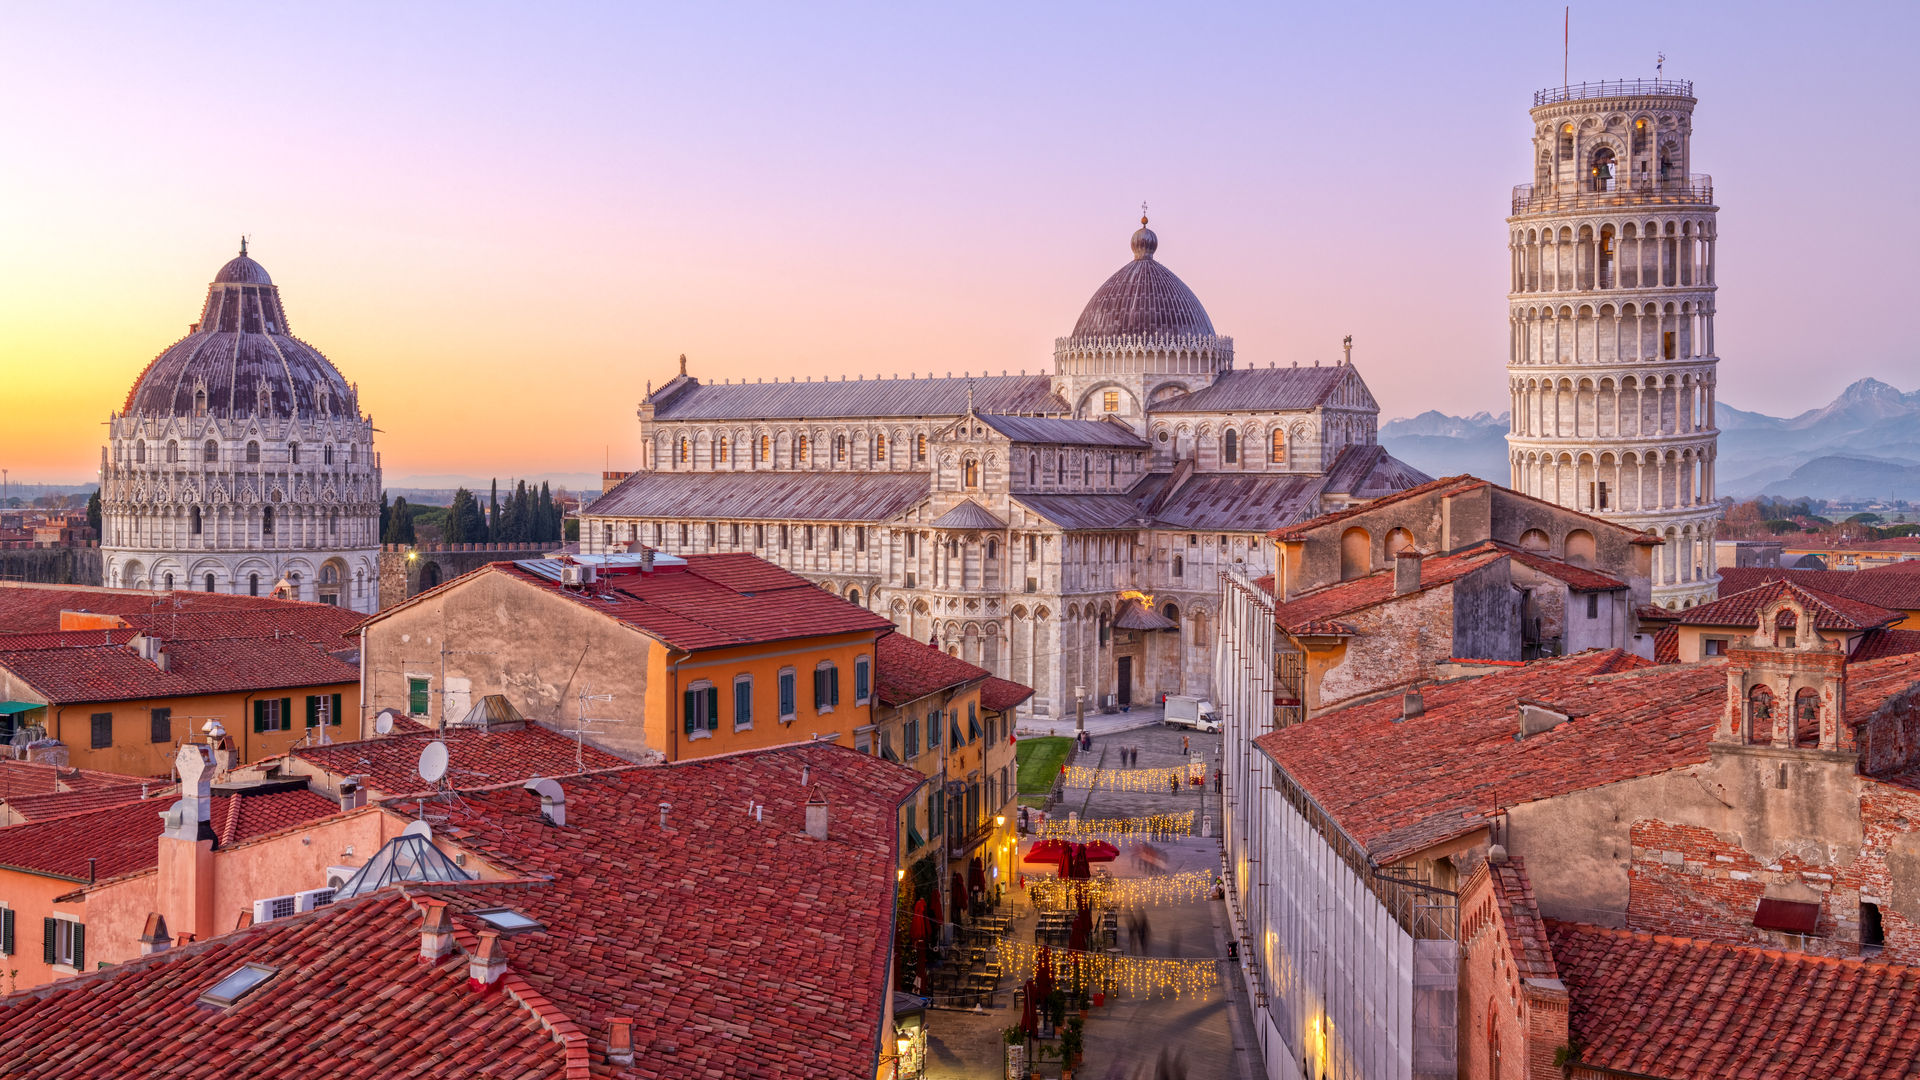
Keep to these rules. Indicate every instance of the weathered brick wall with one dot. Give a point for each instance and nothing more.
(437, 564)
(1889, 739)
(51, 565)
(1397, 642)
(1499, 1014)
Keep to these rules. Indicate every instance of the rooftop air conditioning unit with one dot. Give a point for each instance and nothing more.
(273, 907)
(338, 876)
(574, 574)
(312, 898)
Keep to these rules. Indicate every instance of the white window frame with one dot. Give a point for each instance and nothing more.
(862, 673)
(63, 942)
(788, 716)
(737, 681)
(700, 730)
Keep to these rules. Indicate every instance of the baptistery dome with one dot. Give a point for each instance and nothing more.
(240, 462)
(239, 360)
(1143, 297)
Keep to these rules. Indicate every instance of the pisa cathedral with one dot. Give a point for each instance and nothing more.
(241, 462)
(1063, 530)
(1612, 368)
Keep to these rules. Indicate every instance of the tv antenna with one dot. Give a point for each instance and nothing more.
(581, 722)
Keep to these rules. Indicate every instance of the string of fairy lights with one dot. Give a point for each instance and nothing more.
(1145, 977)
(1056, 894)
(1145, 780)
(1119, 830)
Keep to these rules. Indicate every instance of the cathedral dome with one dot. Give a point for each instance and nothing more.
(1143, 297)
(239, 361)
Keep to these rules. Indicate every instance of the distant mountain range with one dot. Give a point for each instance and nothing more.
(1865, 444)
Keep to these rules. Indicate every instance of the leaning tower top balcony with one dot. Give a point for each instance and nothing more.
(1605, 145)
(1618, 88)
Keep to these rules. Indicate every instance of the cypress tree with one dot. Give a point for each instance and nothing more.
(93, 512)
(399, 528)
(493, 513)
(386, 515)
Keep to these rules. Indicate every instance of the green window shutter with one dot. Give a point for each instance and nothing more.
(861, 689)
(786, 693)
(334, 718)
(742, 704)
(833, 686)
(52, 941)
(313, 710)
(687, 708)
(259, 716)
(286, 714)
(819, 689)
(713, 708)
(6, 931)
(80, 946)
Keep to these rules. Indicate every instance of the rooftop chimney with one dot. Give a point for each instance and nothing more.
(436, 931)
(155, 938)
(620, 1041)
(665, 808)
(553, 799)
(184, 877)
(817, 815)
(1406, 572)
(646, 560)
(352, 795)
(1412, 705)
(487, 964)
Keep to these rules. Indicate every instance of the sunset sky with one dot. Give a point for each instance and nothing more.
(503, 220)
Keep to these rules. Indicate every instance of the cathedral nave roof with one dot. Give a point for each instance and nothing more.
(769, 496)
(858, 399)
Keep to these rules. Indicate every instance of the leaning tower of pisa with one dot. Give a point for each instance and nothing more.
(1612, 365)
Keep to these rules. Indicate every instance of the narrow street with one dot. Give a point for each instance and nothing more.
(1204, 1036)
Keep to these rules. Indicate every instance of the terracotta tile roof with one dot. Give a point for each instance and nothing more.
(745, 946)
(37, 778)
(1655, 1005)
(714, 602)
(84, 673)
(1578, 578)
(1346, 597)
(1885, 644)
(37, 608)
(907, 670)
(1871, 683)
(125, 838)
(1829, 612)
(1666, 645)
(61, 803)
(1895, 586)
(383, 1012)
(1520, 917)
(1398, 787)
(389, 765)
(1001, 695)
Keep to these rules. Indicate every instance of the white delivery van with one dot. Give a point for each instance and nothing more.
(1188, 711)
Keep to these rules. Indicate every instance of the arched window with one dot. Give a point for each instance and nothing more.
(1600, 170)
(1230, 447)
(253, 584)
(1535, 540)
(1060, 469)
(920, 448)
(326, 454)
(173, 452)
(1033, 469)
(1783, 627)
(140, 452)
(200, 409)
(1172, 612)
(209, 582)
(1566, 141)
(193, 521)
(686, 449)
(800, 449)
(353, 454)
(1760, 715)
(169, 582)
(993, 548)
(1806, 717)
(839, 448)
(253, 453)
(211, 452)
(1277, 453)
(1399, 540)
(293, 453)
(1581, 548)
(266, 521)
(853, 596)
(1356, 554)
(1113, 470)
(720, 451)
(880, 447)
(971, 469)
(1179, 566)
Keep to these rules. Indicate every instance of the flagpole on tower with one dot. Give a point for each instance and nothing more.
(1566, 45)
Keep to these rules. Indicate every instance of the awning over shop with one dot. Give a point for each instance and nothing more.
(15, 708)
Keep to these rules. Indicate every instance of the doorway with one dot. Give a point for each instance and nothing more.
(1123, 677)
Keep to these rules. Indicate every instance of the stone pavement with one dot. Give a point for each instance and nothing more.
(1098, 723)
(1211, 1035)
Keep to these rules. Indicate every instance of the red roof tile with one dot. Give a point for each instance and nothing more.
(1001, 695)
(906, 670)
(1520, 918)
(1885, 644)
(1300, 614)
(28, 608)
(1829, 612)
(1666, 645)
(82, 673)
(1656, 1005)
(349, 999)
(744, 945)
(62, 803)
(1450, 485)
(1578, 578)
(390, 765)
(714, 602)
(125, 838)
(1895, 586)
(37, 778)
(1399, 786)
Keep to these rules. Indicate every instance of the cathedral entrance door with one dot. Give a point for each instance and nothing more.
(1123, 677)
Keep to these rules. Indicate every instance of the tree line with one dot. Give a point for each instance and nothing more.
(527, 515)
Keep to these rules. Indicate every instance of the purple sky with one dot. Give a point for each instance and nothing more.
(502, 221)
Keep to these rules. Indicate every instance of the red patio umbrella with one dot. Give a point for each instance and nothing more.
(1101, 851)
(1046, 851)
(959, 889)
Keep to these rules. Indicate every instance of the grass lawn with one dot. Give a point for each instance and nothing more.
(1039, 761)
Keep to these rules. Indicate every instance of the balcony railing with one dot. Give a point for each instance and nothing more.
(1619, 88)
(1694, 189)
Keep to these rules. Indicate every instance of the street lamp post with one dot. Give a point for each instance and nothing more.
(1079, 709)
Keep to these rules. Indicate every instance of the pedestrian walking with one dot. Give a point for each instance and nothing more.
(1173, 783)
(1186, 744)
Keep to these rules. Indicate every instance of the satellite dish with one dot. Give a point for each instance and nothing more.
(433, 761)
(383, 724)
(418, 828)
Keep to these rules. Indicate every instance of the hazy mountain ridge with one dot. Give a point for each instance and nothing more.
(1864, 444)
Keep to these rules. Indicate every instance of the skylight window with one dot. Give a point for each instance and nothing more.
(507, 920)
(237, 985)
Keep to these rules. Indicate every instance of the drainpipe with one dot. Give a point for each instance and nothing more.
(674, 704)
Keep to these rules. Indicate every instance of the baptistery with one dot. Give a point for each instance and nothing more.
(241, 462)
